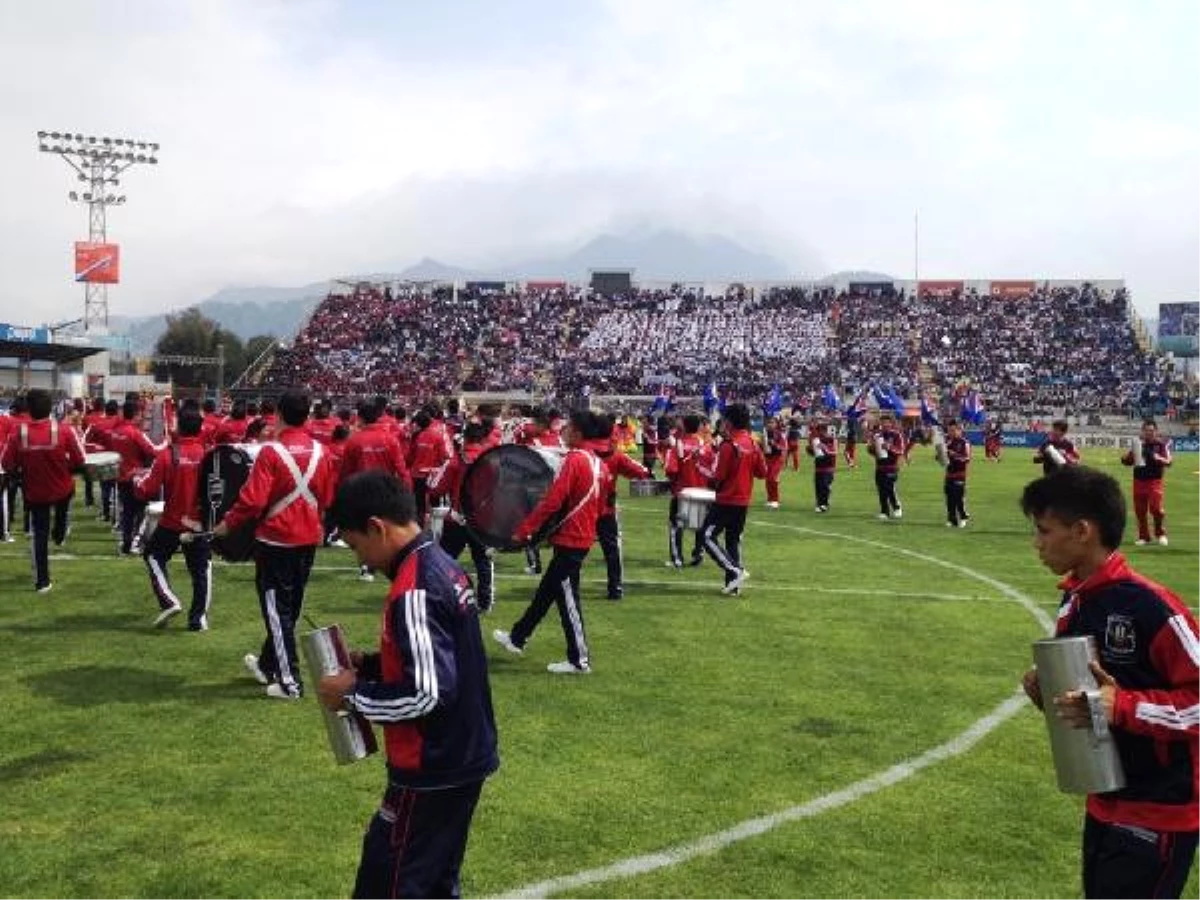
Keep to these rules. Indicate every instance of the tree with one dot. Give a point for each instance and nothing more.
(191, 333)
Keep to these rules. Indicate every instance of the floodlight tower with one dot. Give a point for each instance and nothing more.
(97, 161)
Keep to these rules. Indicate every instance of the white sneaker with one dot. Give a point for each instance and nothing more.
(962, 524)
(568, 668)
(161, 620)
(532, 570)
(734, 587)
(772, 504)
(502, 638)
(1162, 540)
(950, 525)
(45, 589)
(366, 575)
(882, 517)
(277, 691)
(250, 661)
(340, 544)
(897, 513)
(671, 564)
(1140, 543)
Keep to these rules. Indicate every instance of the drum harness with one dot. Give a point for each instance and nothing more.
(301, 489)
(596, 464)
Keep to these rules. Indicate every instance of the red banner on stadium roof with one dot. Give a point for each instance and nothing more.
(1012, 288)
(100, 263)
(938, 288)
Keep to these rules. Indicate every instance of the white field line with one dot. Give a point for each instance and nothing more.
(672, 856)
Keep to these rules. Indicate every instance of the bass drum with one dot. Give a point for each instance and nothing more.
(222, 473)
(502, 486)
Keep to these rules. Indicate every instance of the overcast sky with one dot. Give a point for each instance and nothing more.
(306, 140)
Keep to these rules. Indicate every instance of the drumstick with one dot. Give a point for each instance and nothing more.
(188, 536)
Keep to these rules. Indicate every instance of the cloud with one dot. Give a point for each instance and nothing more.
(302, 140)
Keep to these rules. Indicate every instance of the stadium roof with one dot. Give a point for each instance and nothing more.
(59, 354)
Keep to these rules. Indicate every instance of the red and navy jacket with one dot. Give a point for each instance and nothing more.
(428, 684)
(176, 471)
(1146, 638)
(132, 444)
(1064, 445)
(739, 462)
(578, 493)
(617, 464)
(893, 443)
(687, 463)
(374, 446)
(829, 447)
(1155, 456)
(288, 519)
(774, 441)
(958, 457)
(46, 453)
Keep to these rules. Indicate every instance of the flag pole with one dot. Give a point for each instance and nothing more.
(916, 251)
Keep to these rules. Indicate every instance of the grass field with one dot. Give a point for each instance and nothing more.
(851, 707)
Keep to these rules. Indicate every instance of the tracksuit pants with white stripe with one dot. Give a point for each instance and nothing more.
(39, 516)
(732, 521)
(157, 553)
(281, 574)
(675, 537)
(455, 538)
(133, 512)
(559, 586)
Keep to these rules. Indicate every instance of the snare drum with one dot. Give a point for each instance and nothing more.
(437, 521)
(103, 466)
(693, 507)
(642, 487)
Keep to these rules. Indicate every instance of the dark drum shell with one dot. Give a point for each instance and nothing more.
(222, 473)
(502, 486)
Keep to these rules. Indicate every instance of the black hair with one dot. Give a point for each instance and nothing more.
(341, 432)
(1060, 425)
(111, 408)
(129, 409)
(422, 420)
(372, 494)
(369, 410)
(475, 432)
(591, 426)
(190, 421)
(293, 407)
(267, 406)
(738, 416)
(251, 408)
(209, 406)
(238, 412)
(380, 403)
(1074, 493)
(255, 429)
(691, 423)
(39, 403)
(1149, 422)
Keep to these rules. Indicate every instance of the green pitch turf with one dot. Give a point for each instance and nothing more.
(842, 729)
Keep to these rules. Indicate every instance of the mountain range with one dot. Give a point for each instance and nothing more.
(657, 256)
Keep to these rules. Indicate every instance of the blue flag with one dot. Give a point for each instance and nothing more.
(830, 398)
(928, 416)
(773, 404)
(663, 402)
(972, 408)
(713, 400)
(887, 399)
(858, 408)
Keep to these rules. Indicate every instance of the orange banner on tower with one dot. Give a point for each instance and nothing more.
(1012, 288)
(99, 263)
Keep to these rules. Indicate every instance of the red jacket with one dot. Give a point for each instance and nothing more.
(578, 491)
(617, 464)
(449, 479)
(231, 431)
(322, 429)
(93, 424)
(739, 462)
(208, 430)
(373, 447)
(131, 442)
(688, 461)
(46, 452)
(429, 451)
(1146, 639)
(296, 523)
(176, 470)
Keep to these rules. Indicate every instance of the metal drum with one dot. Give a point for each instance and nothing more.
(437, 521)
(940, 452)
(350, 735)
(103, 466)
(818, 448)
(222, 473)
(502, 486)
(154, 512)
(1085, 759)
(693, 507)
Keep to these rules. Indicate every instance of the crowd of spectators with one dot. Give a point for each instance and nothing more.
(1065, 347)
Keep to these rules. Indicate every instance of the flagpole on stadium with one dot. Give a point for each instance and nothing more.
(916, 252)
